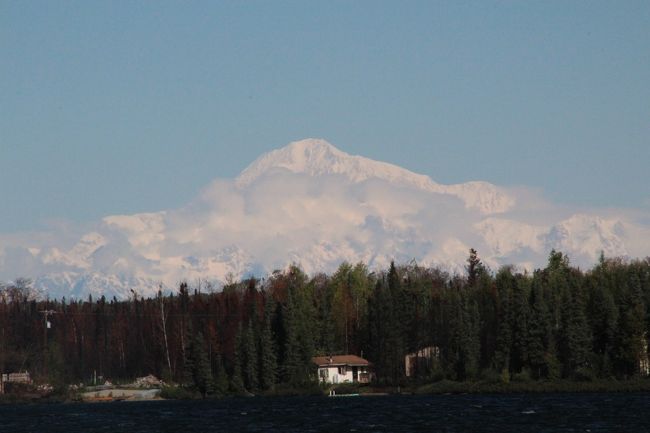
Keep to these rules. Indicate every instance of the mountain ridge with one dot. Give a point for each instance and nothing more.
(315, 205)
(317, 157)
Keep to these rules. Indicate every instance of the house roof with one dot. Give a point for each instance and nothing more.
(324, 361)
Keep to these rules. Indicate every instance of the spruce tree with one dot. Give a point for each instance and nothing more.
(377, 312)
(575, 337)
(189, 361)
(291, 365)
(220, 378)
(250, 360)
(395, 318)
(474, 268)
(452, 356)
(505, 283)
(267, 357)
(236, 379)
(538, 332)
(603, 317)
(486, 299)
(471, 343)
(631, 333)
(199, 366)
(463, 347)
(520, 313)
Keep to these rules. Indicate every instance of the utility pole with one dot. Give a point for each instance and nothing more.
(163, 319)
(46, 326)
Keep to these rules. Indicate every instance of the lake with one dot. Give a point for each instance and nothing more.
(517, 413)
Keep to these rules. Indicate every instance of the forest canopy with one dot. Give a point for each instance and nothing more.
(254, 334)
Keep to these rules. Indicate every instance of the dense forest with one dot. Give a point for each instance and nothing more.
(255, 335)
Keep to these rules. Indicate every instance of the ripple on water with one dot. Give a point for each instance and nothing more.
(556, 413)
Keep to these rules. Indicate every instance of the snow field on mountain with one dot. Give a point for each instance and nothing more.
(312, 204)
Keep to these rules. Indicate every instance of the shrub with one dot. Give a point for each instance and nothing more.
(346, 388)
(584, 374)
(178, 393)
(523, 376)
(505, 376)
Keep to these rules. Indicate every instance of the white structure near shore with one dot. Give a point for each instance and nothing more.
(420, 361)
(342, 369)
(13, 378)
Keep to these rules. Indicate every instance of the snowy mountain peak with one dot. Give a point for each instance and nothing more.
(317, 157)
(589, 235)
(336, 207)
(310, 156)
(313, 149)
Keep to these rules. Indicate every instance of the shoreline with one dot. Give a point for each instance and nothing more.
(443, 387)
(121, 394)
(559, 386)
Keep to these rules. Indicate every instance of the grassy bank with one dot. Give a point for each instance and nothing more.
(182, 393)
(438, 387)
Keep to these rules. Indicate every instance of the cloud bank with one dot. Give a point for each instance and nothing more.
(311, 204)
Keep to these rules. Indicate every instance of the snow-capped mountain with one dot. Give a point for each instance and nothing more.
(313, 204)
(316, 157)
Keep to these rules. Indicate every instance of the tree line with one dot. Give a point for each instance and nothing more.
(260, 334)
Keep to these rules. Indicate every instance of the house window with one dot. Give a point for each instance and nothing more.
(342, 370)
(323, 373)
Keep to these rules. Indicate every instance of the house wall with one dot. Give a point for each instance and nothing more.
(420, 359)
(333, 375)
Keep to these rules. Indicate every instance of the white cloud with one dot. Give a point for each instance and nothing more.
(317, 213)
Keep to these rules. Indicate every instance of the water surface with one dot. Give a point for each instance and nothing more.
(516, 413)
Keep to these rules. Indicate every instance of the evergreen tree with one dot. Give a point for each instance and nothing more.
(474, 268)
(631, 335)
(519, 333)
(603, 317)
(394, 328)
(298, 331)
(471, 344)
(291, 366)
(377, 311)
(199, 365)
(267, 357)
(342, 308)
(575, 341)
(249, 358)
(538, 332)
(327, 341)
(220, 378)
(594, 323)
(460, 353)
(505, 286)
(236, 378)
(189, 361)
(486, 300)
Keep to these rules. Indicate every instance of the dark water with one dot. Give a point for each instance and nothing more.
(518, 413)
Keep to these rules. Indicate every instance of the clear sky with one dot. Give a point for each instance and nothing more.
(123, 107)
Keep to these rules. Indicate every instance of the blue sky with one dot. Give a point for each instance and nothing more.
(124, 107)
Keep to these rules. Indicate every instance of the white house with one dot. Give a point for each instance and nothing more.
(421, 360)
(342, 368)
(14, 378)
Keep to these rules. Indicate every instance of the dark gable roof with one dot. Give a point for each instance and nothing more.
(324, 361)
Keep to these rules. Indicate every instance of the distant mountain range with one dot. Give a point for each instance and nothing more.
(312, 204)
